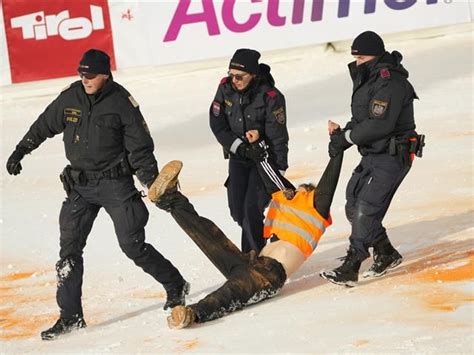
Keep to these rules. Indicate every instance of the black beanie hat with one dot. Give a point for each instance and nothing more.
(368, 43)
(246, 60)
(94, 61)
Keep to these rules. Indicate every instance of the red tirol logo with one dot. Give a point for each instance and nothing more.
(46, 39)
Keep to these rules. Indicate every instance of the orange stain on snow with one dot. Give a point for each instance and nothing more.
(16, 276)
(440, 264)
(16, 291)
(189, 344)
(462, 272)
(444, 300)
(148, 294)
(435, 258)
(361, 343)
(14, 326)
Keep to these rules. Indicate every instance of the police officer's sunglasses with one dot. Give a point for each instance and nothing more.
(88, 76)
(238, 77)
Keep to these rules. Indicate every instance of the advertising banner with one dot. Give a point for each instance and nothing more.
(159, 32)
(45, 39)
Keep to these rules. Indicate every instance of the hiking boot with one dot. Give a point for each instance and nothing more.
(167, 179)
(181, 317)
(63, 326)
(348, 273)
(383, 263)
(175, 296)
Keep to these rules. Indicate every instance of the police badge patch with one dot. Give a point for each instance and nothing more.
(280, 116)
(216, 108)
(73, 115)
(378, 108)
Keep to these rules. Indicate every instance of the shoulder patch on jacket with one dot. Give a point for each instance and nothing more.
(378, 108)
(224, 80)
(280, 115)
(216, 108)
(384, 73)
(272, 93)
(133, 101)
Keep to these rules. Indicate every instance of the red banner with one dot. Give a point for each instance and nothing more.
(46, 39)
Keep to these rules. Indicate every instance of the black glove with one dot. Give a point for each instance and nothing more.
(13, 163)
(146, 175)
(338, 143)
(171, 200)
(253, 152)
(165, 203)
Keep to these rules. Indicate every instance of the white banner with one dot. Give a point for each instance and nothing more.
(143, 32)
(161, 32)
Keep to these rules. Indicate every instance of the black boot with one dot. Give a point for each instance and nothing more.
(175, 296)
(348, 273)
(63, 326)
(386, 257)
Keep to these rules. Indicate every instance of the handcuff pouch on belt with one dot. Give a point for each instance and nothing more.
(66, 179)
(414, 145)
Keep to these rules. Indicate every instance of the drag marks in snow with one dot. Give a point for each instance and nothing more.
(22, 294)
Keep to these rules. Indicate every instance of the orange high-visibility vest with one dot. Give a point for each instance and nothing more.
(296, 221)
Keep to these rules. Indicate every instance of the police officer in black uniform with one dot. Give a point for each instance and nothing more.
(383, 129)
(247, 106)
(106, 141)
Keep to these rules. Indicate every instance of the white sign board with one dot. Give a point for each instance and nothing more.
(159, 32)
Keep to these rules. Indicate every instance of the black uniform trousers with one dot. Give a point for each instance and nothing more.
(250, 279)
(369, 193)
(247, 200)
(129, 214)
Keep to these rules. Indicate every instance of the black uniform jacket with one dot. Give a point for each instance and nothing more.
(261, 107)
(382, 103)
(99, 130)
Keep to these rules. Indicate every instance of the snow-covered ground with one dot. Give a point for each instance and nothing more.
(424, 306)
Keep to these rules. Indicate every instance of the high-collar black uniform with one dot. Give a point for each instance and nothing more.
(99, 130)
(260, 107)
(382, 103)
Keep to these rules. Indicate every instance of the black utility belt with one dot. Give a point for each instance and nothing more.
(81, 177)
(414, 145)
(71, 177)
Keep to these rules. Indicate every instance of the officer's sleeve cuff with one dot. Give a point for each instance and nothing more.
(347, 136)
(235, 145)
